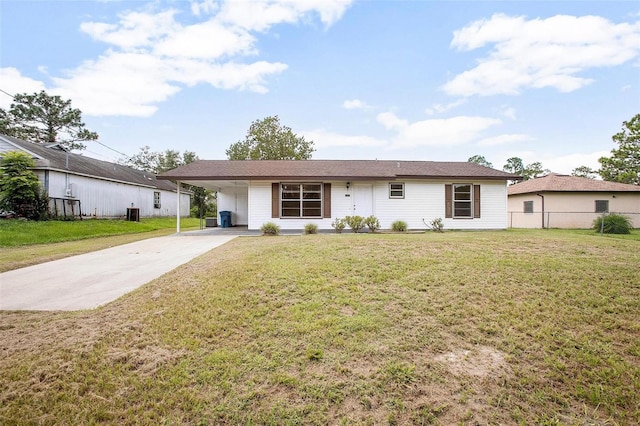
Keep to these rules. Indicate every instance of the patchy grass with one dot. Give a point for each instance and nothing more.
(531, 327)
(19, 233)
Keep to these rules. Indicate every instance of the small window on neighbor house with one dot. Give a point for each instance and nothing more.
(156, 200)
(396, 190)
(602, 206)
(528, 206)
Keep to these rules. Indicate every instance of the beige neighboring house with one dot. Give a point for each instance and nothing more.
(563, 201)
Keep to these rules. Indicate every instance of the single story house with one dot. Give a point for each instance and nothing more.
(82, 186)
(294, 193)
(562, 201)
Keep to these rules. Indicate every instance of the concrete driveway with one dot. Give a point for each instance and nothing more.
(89, 280)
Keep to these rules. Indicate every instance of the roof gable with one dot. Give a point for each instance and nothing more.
(331, 169)
(554, 182)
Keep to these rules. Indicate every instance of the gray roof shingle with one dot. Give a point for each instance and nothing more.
(56, 159)
(564, 183)
(331, 169)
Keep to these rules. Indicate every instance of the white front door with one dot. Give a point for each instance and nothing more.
(363, 200)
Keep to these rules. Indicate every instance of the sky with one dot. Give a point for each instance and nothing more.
(546, 81)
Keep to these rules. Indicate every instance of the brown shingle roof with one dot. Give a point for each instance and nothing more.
(330, 169)
(563, 183)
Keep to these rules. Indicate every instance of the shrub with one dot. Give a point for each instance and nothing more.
(372, 223)
(356, 223)
(399, 226)
(311, 228)
(613, 224)
(338, 224)
(437, 225)
(270, 228)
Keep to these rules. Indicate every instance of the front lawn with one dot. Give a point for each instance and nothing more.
(529, 327)
(19, 233)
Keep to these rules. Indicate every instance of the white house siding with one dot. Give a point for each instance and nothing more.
(235, 200)
(107, 199)
(422, 201)
(426, 201)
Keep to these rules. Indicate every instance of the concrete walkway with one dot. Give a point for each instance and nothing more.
(89, 280)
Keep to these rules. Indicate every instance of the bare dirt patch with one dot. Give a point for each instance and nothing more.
(482, 361)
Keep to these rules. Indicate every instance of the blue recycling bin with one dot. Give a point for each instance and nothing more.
(225, 219)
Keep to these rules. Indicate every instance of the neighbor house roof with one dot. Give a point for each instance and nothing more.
(51, 158)
(331, 169)
(564, 183)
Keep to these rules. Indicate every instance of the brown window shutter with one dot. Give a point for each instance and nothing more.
(447, 201)
(476, 201)
(327, 200)
(275, 199)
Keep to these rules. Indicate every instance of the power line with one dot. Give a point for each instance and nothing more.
(114, 150)
(7, 93)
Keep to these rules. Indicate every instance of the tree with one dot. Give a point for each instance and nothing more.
(516, 166)
(20, 190)
(479, 159)
(624, 163)
(46, 119)
(267, 139)
(158, 162)
(584, 171)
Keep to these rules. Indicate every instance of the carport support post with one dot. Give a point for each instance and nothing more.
(178, 209)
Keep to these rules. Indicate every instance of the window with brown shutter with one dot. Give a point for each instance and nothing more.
(476, 201)
(327, 200)
(448, 212)
(275, 200)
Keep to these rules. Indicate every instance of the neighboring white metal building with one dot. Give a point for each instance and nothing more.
(84, 186)
(294, 193)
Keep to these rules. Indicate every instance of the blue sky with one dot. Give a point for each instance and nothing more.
(408, 80)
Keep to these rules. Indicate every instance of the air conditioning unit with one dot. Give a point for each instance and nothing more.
(68, 193)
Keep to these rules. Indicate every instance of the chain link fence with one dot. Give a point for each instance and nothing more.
(576, 220)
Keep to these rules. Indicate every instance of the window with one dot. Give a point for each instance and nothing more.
(528, 206)
(156, 200)
(396, 190)
(602, 206)
(301, 199)
(462, 200)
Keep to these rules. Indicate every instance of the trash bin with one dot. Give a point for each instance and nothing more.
(225, 219)
(133, 214)
(211, 222)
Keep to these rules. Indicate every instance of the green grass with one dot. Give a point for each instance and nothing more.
(19, 233)
(516, 327)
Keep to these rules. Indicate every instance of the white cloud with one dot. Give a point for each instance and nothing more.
(14, 82)
(153, 54)
(509, 113)
(355, 104)
(324, 139)
(566, 163)
(504, 139)
(436, 132)
(259, 15)
(440, 108)
(540, 53)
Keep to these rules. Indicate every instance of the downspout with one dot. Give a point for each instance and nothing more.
(178, 208)
(542, 196)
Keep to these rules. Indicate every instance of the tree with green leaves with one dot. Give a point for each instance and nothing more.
(584, 171)
(516, 166)
(43, 118)
(20, 190)
(479, 159)
(267, 139)
(624, 163)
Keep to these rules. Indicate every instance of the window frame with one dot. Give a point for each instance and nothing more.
(301, 208)
(528, 204)
(468, 201)
(597, 210)
(156, 200)
(392, 190)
